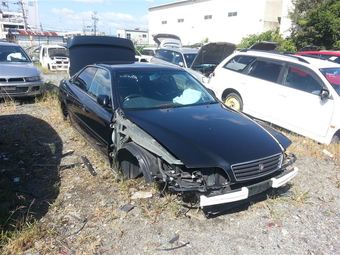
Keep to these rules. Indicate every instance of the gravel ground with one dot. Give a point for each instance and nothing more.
(85, 217)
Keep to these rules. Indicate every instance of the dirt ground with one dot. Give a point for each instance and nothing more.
(71, 211)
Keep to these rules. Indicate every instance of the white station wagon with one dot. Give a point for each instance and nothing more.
(301, 94)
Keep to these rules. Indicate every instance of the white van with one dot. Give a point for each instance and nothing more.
(54, 58)
(301, 94)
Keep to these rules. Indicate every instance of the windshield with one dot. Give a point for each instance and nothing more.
(189, 58)
(333, 77)
(171, 56)
(13, 53)
(57, 52)
(160, 89)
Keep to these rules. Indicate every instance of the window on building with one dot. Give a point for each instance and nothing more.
(144, 35)
(207, 16)
(128, 36)
(180, 20)
(232, 14)
(164, 22)
(118, 35)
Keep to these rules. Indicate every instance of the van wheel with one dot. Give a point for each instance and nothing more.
(233, 101)
(48, 67)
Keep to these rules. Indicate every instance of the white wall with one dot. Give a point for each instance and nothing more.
(253, 16)
(137, 36)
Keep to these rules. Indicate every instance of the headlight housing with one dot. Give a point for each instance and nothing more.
(33, 78)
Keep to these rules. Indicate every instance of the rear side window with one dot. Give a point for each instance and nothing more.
(239, 63)
(148, 52)
(301, 79)
(84, 79)
(265, 70)
(101, 84)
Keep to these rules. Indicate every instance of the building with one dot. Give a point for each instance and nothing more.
(140, 37)
(27, 13)
(196, 21)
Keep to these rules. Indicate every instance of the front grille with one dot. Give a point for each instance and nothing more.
(257, 168)
(16, 80)
(10, 90)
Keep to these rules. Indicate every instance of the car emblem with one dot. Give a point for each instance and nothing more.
(261, 167)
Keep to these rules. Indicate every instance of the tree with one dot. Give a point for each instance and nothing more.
(272, 36)
(316, 22)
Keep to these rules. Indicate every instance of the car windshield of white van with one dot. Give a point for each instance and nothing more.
(9, 53)
(333, 76)
(57, 52)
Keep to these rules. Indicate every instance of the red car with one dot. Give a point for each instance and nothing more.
(322, 54)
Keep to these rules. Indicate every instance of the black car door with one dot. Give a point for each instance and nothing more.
(76, 96)
(98, 117)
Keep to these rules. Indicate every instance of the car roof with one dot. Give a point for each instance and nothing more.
(8, 44)
(323, 52)
(137, 66)
(181, 50)
(297, 59)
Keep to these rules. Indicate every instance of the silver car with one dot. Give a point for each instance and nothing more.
(18, 76)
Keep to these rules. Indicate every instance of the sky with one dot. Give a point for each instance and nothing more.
(74, 15)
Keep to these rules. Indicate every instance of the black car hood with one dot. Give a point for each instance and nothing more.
(210, 55)
(206, 135)
(213, 53)
(87, 50)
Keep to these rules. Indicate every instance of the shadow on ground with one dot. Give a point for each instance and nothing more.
(230, 208)
(30, 154)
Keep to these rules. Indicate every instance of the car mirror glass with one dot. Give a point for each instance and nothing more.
(181, 64)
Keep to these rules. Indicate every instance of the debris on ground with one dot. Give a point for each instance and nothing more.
(88, 165)
(127, 208)
(141, 195)
(327, 153)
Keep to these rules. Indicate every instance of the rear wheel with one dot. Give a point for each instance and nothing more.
(233, 101)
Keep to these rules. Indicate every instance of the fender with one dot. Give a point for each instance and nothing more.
(147, 161)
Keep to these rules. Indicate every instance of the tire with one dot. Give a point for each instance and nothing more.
(233, 101)
(129, 167)
(48, 67)
(336, 138)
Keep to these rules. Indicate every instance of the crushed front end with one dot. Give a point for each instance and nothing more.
(219, 186)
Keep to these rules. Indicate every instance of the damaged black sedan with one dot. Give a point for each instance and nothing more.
(161, 123)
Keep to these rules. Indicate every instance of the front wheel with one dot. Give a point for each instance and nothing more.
(233, 101)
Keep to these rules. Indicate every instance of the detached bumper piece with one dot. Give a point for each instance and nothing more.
(245, 192)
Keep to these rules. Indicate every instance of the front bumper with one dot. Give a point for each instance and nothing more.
(22, 89)
(59, 67)
(248, 191)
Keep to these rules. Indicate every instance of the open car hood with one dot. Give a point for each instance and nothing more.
(210, 55)
(87, 50)
(167, 41)
(265, 46)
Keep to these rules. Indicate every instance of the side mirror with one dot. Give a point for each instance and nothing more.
(324, 94)
(181, 64)
(35, 59)
(103, 100)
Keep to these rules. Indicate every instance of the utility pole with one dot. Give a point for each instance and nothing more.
(95, 20)
(22, 7)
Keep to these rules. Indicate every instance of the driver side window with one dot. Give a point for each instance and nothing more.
(84, 79)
